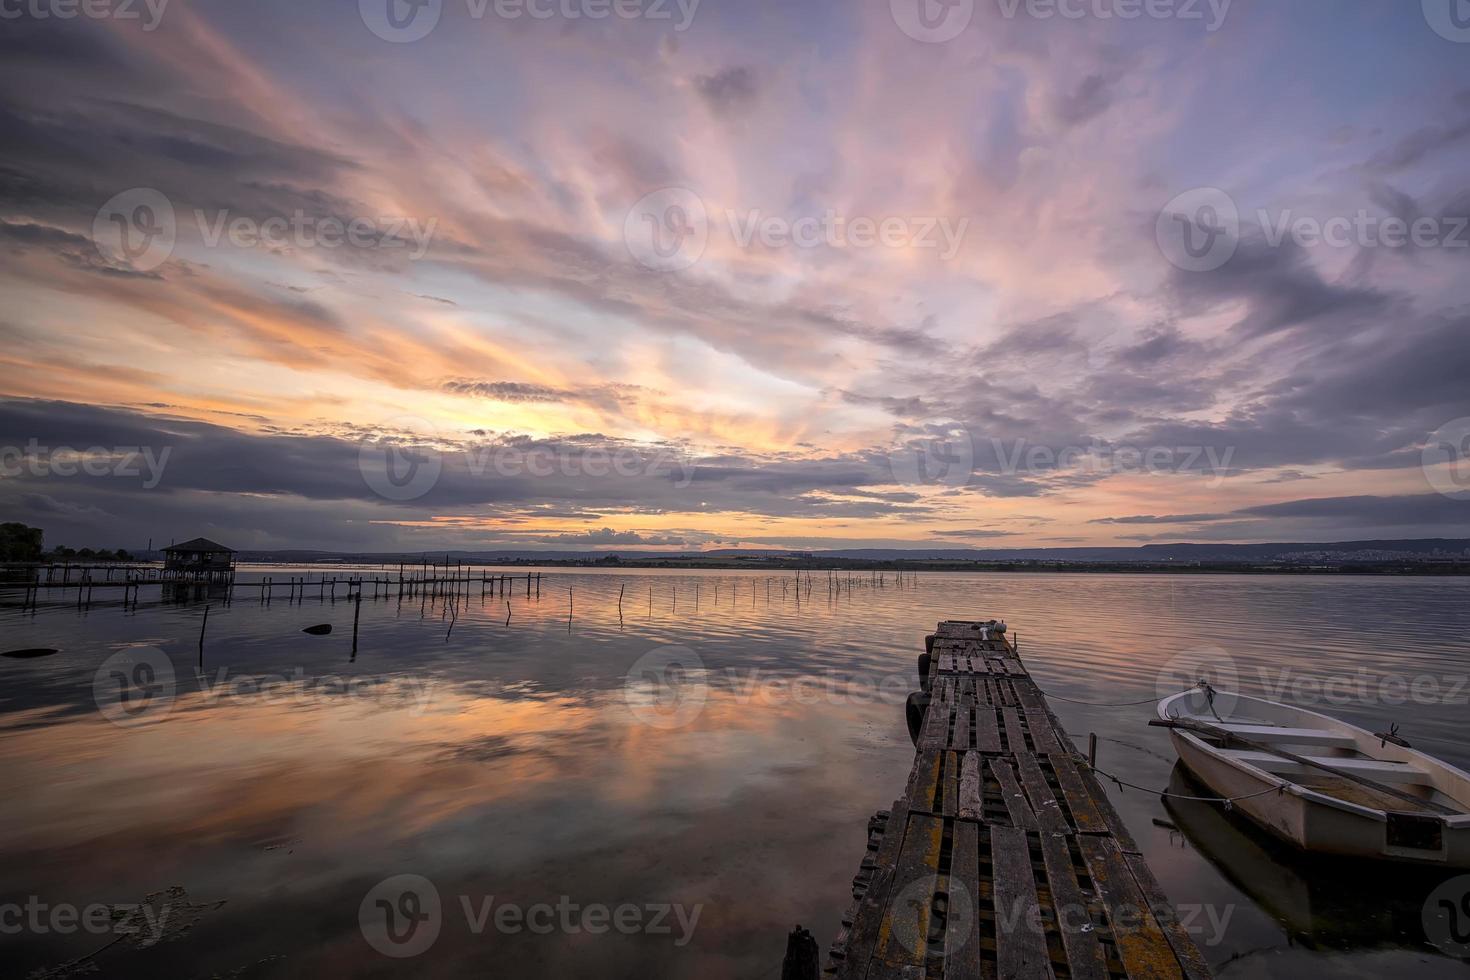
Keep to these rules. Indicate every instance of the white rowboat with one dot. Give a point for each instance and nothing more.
(1339, 789)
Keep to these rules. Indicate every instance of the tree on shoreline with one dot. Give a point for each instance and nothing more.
(20, 542)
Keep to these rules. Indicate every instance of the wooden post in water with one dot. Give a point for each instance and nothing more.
(202, 624)
(356, 612)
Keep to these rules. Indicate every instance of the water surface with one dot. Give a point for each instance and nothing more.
(731, 777)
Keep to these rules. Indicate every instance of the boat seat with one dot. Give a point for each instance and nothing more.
(1383, 772)
(1291, 736)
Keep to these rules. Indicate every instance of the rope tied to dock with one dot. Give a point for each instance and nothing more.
(1123, 704)
(1227, 801)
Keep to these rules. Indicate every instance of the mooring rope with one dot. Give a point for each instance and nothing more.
(1108, 704)
(1228, 801)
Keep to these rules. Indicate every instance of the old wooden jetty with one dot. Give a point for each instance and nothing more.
(83, 582)
(1004, 857)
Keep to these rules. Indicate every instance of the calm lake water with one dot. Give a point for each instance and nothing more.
(678, 824)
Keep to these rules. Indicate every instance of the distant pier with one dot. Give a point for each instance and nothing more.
(1004, 857)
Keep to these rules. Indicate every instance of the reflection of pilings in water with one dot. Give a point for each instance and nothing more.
(356, 613)
(204, 622)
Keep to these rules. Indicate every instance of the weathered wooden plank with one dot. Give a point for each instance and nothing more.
(1043, 802)
(1079, 801)
(971, 806)
(951, 783)
(1015, 735)
(960, 741)
(903, 938)
(1085, 956)
(987, 730)
(923, 780)
(1191, 961)
(962, 935)
(1042, 736)
(1019, 945)
(935, 733)
(1141, 944)
(868, 918)
(1010, 789)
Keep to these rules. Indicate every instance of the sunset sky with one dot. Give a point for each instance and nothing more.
(993, 365)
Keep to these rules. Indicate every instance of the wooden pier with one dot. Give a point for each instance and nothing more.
(1003, 858)
(183, 586)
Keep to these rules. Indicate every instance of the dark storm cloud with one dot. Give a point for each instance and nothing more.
(494, 476)
(1370, 511)
(1282, 290)
(1165, 519)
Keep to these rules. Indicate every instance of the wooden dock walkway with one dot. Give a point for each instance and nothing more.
(1004, 857)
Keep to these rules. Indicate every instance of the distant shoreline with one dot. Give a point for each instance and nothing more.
(858, 566)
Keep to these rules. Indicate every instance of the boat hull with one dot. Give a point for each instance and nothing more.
(1306, 822)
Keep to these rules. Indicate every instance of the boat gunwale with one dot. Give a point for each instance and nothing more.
(1454, 822)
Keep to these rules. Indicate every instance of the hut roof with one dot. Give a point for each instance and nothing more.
(198, 544)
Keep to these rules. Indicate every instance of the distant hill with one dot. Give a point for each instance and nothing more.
(1297, 553)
